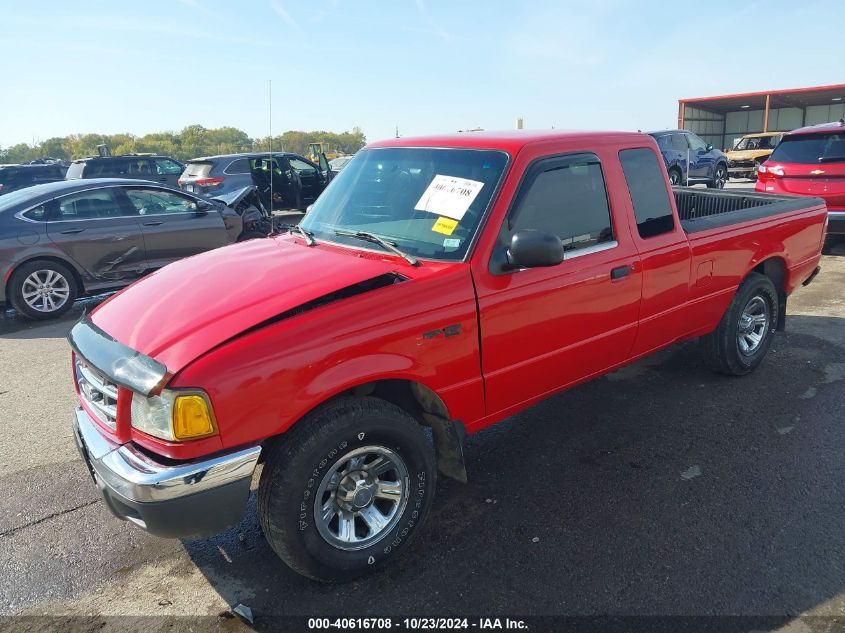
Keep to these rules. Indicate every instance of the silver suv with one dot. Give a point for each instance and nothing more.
(289, 180)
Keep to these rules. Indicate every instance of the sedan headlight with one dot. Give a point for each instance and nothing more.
(174, 415)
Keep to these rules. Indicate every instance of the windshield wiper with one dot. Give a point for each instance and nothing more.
(295, 228)
(377, 239)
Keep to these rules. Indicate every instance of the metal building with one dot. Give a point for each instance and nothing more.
(721, 121)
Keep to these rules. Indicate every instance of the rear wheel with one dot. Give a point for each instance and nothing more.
(346, 489)
(42, 289)
(720, 177)
(745, 333)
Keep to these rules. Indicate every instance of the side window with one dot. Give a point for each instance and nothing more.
(679, 142)
(153, 202)
(644, 175)
(140, 168)
(90, 205)
(36, 214)
(239, 166)
(106, 168)
(165, 166)
(300, 165)
(566, 197)
(696, 143)
(664, 142)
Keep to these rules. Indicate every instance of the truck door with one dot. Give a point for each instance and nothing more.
(545, 328)
(663, 250)
(310, 177)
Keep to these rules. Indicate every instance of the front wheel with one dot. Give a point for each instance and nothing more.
(743, 337)
(720, 177)
(346, 489)
(674, 177)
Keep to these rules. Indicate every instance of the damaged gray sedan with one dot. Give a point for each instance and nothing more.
(63, 240)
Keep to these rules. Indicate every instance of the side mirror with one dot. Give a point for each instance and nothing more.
(709, 147)
(534, 249)
(204, 206)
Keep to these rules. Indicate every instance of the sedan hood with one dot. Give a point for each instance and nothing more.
(187, 308)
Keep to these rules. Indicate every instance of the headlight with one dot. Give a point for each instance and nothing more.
(174, 415)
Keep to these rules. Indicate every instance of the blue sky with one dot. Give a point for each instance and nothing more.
(427, 66)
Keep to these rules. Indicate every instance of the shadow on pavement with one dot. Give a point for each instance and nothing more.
(17, 326)
(659, 489)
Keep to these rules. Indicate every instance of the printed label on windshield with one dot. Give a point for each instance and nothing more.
(449, 196)
(446, 226)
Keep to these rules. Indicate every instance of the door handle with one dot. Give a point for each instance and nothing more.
(619, 272)
(153, 223)
(71, 231)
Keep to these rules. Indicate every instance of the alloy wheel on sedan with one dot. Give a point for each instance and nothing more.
(46, 290)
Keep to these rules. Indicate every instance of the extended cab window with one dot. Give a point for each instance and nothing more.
(566, 197)
(644, 175)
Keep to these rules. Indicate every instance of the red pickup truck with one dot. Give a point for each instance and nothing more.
(442, 283)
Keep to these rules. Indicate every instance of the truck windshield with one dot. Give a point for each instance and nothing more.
(757, 142)
(426, 201)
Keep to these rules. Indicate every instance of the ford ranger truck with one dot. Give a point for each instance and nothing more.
(438, 283)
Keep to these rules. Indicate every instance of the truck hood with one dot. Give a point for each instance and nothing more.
(189, 307)
(749, 154)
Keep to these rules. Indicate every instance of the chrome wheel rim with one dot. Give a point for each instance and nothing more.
(674, 179)
(720, 178)
(45, 290)
(753, 325)
(361, 498)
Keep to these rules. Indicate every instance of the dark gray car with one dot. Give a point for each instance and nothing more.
(66, 239)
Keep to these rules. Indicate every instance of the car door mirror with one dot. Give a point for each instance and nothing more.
(204, 206)
(534, 249)
(708, 148)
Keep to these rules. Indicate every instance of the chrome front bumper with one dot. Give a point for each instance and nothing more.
(181, 500)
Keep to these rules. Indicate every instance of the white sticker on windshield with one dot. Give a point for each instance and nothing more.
(449, 196)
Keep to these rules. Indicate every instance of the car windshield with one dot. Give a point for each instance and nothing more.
(426, 201)
(757, 142)
(810, 149)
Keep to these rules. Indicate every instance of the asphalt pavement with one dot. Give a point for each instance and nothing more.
(660, 489)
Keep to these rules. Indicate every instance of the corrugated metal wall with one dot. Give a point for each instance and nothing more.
(724, 131)
(708, 125)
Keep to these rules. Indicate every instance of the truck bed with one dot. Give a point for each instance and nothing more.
(702, 209)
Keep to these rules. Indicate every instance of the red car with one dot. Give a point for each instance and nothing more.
(443, 282)
(810, 161)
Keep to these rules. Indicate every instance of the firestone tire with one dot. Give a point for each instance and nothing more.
(743, 337)
(336, 462)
